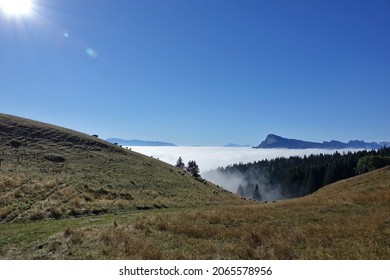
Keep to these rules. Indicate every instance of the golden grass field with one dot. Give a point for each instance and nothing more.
(104, 202)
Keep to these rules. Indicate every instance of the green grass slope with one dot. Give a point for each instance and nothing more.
(346, 220)
(49, 172)
(65, 195)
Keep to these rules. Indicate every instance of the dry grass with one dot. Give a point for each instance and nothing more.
(58, 173)
(344, 221)
(250, 236)
(104, 186)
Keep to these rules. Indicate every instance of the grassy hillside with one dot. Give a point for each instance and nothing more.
(49, 172)
(65, 195)
(346, 220)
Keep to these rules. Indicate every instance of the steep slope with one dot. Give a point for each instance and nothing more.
(49, 172)
(371, 187)
(275, 141)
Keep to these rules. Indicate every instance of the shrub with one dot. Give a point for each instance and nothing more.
(68, 231)
(55, 212)
(4, 212)
(75, 237)
(54, 158)
(37, 215)
(15, 144)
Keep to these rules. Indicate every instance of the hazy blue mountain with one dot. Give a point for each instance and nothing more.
(384, 144)
(136, 142)
(275, 141)
(232, 145)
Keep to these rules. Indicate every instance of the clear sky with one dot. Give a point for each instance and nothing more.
(201, 72)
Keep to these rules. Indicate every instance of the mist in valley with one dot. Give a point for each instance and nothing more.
(210, 158)
(232, 181)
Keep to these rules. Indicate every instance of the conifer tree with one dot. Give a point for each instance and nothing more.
(180, 163)
(193, 168)
(256, 193)
(240, 191)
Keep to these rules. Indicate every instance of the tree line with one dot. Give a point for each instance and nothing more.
(298, 176)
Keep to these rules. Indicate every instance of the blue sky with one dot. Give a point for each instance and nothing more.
(197, 72)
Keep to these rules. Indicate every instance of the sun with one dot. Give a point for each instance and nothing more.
(16, 7)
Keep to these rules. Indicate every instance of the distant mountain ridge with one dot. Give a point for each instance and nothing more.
(275, 141)
(135, 142)
(233, 145)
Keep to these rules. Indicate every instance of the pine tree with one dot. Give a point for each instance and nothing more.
(256, 193)
(193, 168)
(240, 191)
(180, 163)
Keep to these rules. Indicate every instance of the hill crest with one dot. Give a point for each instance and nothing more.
(50, 172)
(275, 141)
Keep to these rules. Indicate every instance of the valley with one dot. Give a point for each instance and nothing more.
(67, 195)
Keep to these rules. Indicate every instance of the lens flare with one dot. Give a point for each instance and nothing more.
(91, 52)
(16, 7)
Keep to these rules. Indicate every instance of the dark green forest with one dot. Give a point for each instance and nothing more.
(298, 176)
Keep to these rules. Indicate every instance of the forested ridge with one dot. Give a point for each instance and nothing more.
(298, 176)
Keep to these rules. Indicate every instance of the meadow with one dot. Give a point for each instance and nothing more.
(345, 220)
(67, 195)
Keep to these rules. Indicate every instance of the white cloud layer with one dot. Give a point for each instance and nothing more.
(209, 158)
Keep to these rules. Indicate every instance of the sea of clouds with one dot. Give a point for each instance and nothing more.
(210, 158)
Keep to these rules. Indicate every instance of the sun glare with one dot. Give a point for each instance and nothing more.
(16, 7)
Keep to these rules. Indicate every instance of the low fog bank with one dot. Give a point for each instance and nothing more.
(231, 182)
(210, 158)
